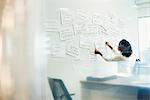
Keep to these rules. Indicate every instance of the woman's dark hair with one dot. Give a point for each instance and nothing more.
(125, 48)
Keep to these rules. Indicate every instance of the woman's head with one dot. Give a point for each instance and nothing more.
(125, 48)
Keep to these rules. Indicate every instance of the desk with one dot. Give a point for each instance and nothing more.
(137, 87)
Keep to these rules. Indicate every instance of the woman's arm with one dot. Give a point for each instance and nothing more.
(115, 58)
(110, 47)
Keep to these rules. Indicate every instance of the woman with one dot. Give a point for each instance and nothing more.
(124, 48)
(125, 51)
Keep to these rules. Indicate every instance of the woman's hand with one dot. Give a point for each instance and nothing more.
(109, 45)
(98, 52)
(106, 43)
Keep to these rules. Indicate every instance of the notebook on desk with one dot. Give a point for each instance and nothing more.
(101, 78)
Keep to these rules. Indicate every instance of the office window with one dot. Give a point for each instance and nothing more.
(144, 39)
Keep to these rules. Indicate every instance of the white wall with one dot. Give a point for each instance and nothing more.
(72, 71)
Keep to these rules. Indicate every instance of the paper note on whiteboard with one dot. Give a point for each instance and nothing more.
(102, 29)
(81, 17)
(92, 29)
(57, 49)
(98, 18)
(72, 50)
(92, 55)
(51, 26)
(66, 16)
(85, 42)
(80, 29)
(66, 32)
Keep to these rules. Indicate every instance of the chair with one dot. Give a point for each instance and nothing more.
(59, 90)
(143, 94)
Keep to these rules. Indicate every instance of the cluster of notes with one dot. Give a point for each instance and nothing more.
(85, 29)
